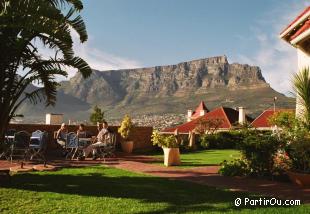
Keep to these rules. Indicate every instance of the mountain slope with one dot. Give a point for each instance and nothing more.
(174, 88)
(165, 89)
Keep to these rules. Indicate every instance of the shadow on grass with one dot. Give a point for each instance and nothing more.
(181, 196)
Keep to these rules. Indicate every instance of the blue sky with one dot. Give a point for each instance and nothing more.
(138, 33)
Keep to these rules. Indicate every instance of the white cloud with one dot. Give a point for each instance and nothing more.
(96, 58)
(276, 58)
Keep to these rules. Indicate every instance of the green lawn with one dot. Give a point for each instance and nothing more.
(106, 190)
(203, 157)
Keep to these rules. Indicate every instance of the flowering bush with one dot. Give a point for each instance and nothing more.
(237, 167)
(126, 127)
(165, 141)
(259, 151)
(282, 162)
(299, 152)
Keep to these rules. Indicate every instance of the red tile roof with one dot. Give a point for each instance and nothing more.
(305, 27)
(228, 115)
(200, 107)
(262, 120)
(297, 18)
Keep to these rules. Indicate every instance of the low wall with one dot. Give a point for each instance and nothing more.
(140, 135)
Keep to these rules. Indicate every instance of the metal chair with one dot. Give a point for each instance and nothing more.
(20, 146)
(107, 150)
(6, 146)
(73, 146)
(38, 145)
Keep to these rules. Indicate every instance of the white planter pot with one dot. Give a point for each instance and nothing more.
(171, 156)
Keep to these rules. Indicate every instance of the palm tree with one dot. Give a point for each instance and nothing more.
(301, 86)
(24, 23)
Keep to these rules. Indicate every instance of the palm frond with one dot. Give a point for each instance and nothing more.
(81, 65)
(301, 86)
(78, 25)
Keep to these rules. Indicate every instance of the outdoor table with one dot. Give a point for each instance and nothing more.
(85, 141)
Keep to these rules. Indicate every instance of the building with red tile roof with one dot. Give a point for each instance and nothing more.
(262, 121)
(297, 34)
(228, 116)
(200, 111)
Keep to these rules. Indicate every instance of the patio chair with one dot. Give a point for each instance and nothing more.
(6, 146)
(20, 145)
(73, 146)
(38, 145)
(108, 150)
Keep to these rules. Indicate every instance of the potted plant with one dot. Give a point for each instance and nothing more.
(124, 130)
(170, 146)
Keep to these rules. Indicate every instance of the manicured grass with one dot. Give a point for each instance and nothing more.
(203, 157)
(106, 190)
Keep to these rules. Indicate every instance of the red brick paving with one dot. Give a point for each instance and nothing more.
(203, 175)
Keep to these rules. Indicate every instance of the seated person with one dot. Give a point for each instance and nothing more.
(81, 132)
(100, 140)
(61, 135)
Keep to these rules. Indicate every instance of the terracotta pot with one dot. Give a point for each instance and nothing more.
(171, 156)
(127, 146)
(301, 179)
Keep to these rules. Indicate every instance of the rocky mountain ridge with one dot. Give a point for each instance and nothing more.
(194, 77)
(169, 89)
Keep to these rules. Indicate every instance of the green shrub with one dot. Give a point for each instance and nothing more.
(259, 151)
(237, 167)
(221, 140)
(299, 153)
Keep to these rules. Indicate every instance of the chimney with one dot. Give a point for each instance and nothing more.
(189, 115)
(242, 115)
(202, 112)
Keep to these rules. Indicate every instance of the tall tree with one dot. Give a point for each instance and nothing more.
(301, 86)
(24, 23)
(97, 116)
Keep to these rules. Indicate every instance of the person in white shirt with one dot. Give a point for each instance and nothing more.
(61, 135)
(100, 140)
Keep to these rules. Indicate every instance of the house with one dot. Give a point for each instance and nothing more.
(200, 111)
(52, 118)
(262, 121)
(228, 116)
(297, 34)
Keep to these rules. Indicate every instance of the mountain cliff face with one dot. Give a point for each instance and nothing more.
(186, 78)
(167, 89)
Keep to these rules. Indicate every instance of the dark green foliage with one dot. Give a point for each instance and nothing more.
(301, 86)
(237, 167)
(24, 25)
(97, 116)
(259, 150)
(299, 153)
(221, 140)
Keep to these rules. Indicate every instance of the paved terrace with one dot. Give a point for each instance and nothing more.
(203, 175)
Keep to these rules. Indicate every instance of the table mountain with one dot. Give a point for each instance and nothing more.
(175, 88)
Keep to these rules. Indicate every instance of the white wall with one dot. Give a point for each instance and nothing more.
(303, 59)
